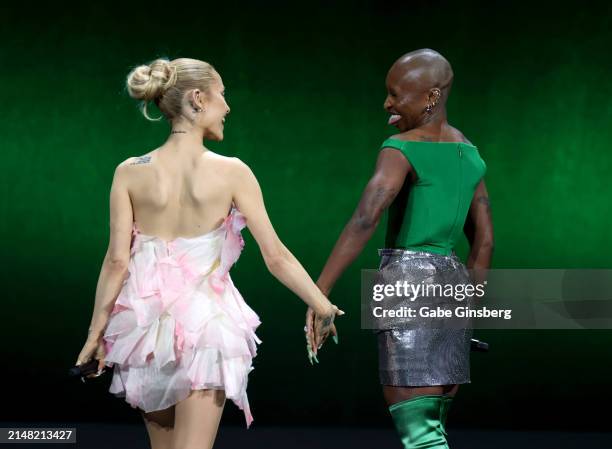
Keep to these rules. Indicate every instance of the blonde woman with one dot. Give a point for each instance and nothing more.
(167, 316)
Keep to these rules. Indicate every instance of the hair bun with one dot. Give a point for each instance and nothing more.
(149, 82)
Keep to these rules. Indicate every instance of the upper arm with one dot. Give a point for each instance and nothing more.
(391, 170)
(479, 215)
(389, 176)
(248, 198)
(121, 217)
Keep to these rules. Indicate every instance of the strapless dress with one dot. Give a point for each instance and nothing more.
(179, 323)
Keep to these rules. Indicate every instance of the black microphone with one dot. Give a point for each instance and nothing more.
(479, 346)
(84, 369)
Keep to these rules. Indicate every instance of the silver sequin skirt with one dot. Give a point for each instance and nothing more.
(422, 356)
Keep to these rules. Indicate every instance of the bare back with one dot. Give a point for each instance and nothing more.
(179, 195)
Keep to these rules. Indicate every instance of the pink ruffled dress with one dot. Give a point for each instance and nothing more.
(179, 324)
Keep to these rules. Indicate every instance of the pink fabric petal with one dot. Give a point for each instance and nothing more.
(172, 330)
(230, 252)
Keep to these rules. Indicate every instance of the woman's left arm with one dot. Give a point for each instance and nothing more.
(117, 257)
(479, 230)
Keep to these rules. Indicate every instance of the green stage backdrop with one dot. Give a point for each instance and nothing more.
(306, 86)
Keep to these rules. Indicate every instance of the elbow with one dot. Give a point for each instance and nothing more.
(116, 261)
(365, 222)
(483, 238)
(489, 240)
(275, 260)
(487, 244)
(118, 265)
(275, 263)
(482, 247)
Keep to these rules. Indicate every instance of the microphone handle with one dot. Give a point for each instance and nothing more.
(479, 346)
(84, 369)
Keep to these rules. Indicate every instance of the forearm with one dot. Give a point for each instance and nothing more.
(288, 270)
(350, 244)
(479, 259)
(109, 285)
(481, 252)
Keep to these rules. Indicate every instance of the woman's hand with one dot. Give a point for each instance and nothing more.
(318, 327)
(93, 348)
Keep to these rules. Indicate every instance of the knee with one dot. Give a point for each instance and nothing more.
(394, 394)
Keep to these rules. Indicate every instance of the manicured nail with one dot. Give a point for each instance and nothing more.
(315, 357)
(335, 338)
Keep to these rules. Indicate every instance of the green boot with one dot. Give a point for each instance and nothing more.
(446, 403)
(420, 421)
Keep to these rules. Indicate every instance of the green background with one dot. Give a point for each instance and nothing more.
(306, 87)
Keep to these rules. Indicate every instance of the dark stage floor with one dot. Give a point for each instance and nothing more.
(107, 436)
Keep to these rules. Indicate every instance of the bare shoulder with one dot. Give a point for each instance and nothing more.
(228, 164)
(128, 166)
(233, 168)
(458, 136)
(145, 159)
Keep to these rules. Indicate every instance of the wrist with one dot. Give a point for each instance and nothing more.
(94, 334)
(323, 308)
(324, 289)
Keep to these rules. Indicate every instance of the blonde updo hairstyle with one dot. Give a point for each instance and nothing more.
(165, 82)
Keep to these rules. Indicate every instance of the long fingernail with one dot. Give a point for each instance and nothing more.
(315, 357)
(335, 338)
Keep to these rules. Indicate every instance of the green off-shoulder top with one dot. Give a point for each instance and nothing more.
(430, 214)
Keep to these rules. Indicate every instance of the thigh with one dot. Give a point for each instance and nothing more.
(197, 419)
(394, 394)
(160, 427)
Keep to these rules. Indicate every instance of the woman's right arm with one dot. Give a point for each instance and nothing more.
(280, 262)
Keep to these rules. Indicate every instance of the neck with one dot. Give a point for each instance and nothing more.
(435, 122)
(184, 138)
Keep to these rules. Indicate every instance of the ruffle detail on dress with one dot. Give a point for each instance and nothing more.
(230, 252)
(174, 328)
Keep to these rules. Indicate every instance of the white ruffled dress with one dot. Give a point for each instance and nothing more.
(179, 324)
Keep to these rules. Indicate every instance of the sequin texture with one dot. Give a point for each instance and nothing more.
(422, 356)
